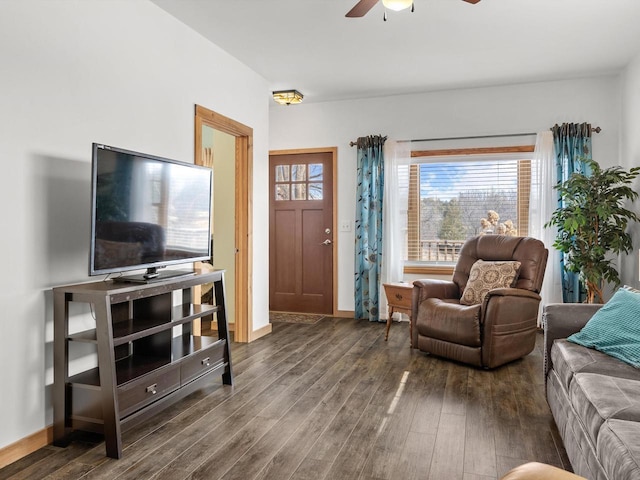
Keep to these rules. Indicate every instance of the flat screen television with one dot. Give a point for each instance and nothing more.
(147, 213)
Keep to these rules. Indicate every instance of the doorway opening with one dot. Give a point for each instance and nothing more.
(232, 231)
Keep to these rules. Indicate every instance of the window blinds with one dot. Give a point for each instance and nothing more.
(450, 199)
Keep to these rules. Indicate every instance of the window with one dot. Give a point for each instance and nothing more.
(297, 182)
(452, 195)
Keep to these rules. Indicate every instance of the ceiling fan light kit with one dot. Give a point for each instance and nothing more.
(361, 8)
(287, 97)
(397, 5)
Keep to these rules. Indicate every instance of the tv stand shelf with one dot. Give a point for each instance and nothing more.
(145, 363)
(132, 329)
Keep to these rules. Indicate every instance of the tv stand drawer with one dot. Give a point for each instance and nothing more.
(201, 362)
(145, 390)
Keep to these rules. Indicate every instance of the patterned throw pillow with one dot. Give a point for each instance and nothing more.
(615, 328)
(485, 276)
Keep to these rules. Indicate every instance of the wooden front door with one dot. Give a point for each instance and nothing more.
(301, 232)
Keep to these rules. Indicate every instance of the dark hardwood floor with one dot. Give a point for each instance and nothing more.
(331, 401)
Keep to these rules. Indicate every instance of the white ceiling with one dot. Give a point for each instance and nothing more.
(309, 45)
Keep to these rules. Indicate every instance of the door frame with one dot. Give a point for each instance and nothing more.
(243, 323)
(334, 187)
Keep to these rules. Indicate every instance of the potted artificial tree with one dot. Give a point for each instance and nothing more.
(592, 224)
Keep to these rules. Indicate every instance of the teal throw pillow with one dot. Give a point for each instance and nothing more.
(615, 328)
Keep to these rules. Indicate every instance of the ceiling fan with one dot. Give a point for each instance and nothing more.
(363, 6)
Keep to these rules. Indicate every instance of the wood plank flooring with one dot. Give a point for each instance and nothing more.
(332, 401)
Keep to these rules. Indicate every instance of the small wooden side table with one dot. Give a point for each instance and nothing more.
(399, 300)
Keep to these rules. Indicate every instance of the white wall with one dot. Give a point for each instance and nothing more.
(74, 72)
(483, 111)
(630, 157)
(224, 213)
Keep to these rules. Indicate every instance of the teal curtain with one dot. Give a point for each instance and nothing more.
(368, 227)
(572, 143)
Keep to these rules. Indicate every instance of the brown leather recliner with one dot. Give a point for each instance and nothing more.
(500, 329)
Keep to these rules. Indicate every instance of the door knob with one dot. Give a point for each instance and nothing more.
(326, 242)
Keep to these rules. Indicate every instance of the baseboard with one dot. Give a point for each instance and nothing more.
(261, 332)
(231, 327)
(27, 445)
(344, 314)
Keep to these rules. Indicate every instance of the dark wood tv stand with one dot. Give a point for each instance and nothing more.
(143, 366)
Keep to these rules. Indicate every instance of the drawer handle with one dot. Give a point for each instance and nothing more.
(399, 296)
(152, 389)
(206, 362)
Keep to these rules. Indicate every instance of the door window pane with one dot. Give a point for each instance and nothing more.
(315, 191)
(282, 191)
(298, 173)
(315, 172)
(282, 173)
(299, 191)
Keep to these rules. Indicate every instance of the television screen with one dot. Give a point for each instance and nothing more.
(148, 212)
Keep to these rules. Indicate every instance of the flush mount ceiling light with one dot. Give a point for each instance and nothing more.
(397, 5)
(287, 97)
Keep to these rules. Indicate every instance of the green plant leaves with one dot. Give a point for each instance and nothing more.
(592, 223)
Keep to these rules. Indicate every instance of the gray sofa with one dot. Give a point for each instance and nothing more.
(594, 398)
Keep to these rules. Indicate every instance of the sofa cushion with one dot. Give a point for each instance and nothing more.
(619, 449)
(580, 449)
(485, 276)
(597, 398)
(615, 328)
(569, 358)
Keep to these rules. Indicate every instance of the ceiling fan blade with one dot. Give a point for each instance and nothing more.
(361, 8)
(471, 1)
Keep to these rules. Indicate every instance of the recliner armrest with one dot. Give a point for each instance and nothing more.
(560, 320)
(520, 302)
(506, 306)
(508, 317)
(511, 292)
(429, 288)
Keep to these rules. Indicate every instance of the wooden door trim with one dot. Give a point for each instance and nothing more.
(244, 207)
(334, 167)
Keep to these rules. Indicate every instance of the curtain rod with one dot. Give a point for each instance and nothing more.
(525, 134)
